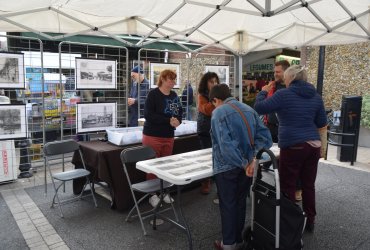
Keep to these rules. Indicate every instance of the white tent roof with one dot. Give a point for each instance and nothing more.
(240, 26)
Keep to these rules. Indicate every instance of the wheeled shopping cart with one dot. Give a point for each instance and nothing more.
(276, 221)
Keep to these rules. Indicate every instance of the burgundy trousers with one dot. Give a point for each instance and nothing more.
(161, 146)
(299, 162)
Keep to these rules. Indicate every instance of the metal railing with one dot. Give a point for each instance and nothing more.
(337, 144)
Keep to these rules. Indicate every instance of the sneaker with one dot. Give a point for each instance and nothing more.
(298, 195)
(154, 200)
(167, 198)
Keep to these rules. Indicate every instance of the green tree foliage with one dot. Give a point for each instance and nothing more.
(365, 113)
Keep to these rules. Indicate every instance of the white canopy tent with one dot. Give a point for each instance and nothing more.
(240, 26)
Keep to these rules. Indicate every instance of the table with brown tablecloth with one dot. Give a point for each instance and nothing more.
(102, 159)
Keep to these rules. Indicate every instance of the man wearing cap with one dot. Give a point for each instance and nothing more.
(137, 95)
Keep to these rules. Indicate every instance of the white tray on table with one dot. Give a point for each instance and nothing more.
(132, 135)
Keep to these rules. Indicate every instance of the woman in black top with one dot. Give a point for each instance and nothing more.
(163, 113)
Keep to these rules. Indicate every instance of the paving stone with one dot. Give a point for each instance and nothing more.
(40, 221)
(35, 239)
(47, 233)
(29, 205)
(24, 221)
(20, 216)
(16, 209)
(37, 244)
(57, 245)
(45, 228)
(40, 247)
(64, 247)
(27, 228)
(31, 234)
(52, 239)
(36, 215)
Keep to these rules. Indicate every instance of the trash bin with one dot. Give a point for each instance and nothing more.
(350, 123)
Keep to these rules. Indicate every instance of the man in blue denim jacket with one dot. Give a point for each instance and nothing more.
(231, 153)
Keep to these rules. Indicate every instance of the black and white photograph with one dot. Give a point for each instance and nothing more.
(92, 117)
(157, 68)
(96, 74)
(12, 121)
(12, 71)
(221, 70)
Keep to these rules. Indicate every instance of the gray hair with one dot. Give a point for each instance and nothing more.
(297, 72)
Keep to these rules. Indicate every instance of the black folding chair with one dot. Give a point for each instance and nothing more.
(58, 148)
(129, 158)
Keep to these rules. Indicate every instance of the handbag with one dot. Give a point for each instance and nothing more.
(249, 170)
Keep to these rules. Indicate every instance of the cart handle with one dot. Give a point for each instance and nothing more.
(270, 153)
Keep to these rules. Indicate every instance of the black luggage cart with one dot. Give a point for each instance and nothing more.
(276, 221)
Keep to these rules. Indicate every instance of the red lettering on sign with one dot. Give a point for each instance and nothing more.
(5, 162)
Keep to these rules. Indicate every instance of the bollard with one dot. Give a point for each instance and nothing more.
(24, 159)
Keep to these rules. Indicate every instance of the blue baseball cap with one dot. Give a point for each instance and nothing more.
(137, 69)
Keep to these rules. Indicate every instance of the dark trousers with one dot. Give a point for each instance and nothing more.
(299, 162)
(274, 131)
(233, 187)
(205, 141)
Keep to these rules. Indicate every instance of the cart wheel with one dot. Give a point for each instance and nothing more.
(247, 239)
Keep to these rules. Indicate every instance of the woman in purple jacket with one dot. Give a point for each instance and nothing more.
(300, 111)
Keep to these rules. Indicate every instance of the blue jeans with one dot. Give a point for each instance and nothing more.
(232, 188)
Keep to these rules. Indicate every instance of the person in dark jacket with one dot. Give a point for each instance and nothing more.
(187, 99)
(138, 92)
(205, 108)
(301, 112)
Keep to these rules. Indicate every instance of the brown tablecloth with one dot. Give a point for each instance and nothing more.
(103, 160)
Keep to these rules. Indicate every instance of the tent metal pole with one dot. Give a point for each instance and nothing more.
(219, 42)
(257, 6)
(285, 6)
(268, 5)
(317, 16)
(225, 8)
(225, 2)
(282, 9)
(320, 71)
(353, 17)
(269, 40)
(93, 27)
(240, 77)
(161, 23)
(70, 34)
(24, 12)
(26, 28)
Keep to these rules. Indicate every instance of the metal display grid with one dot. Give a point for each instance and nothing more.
(118, 95)
(192, 67)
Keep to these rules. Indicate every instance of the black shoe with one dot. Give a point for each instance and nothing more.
(310, 227)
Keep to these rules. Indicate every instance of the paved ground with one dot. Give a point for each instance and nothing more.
(26, 220)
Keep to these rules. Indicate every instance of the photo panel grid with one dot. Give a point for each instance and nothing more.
(157, 68)
(94, 117)
(221, 70)
(96, 74)
(13, 122)
(12, 71)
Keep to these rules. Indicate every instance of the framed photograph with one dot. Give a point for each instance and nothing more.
(92, 117)
(221, 70)
(157, 68)
(12, 71)
(13, 122)
(96, 74)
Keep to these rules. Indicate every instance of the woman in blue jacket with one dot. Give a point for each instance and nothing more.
(300, 111)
